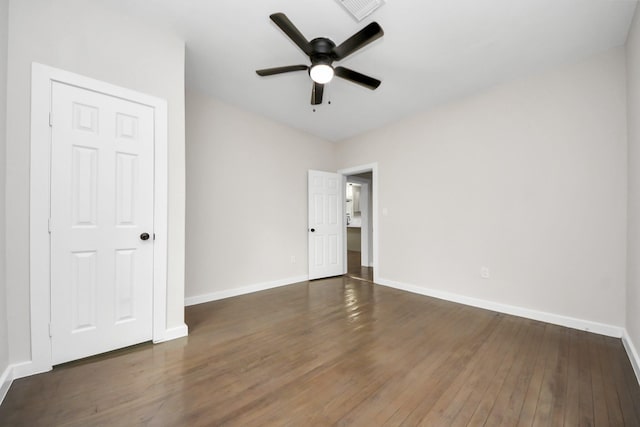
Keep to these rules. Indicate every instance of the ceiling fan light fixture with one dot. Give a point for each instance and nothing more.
(322, 52)
(321, 73)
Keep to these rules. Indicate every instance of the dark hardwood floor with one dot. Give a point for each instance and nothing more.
(340, 352)
(355, 269)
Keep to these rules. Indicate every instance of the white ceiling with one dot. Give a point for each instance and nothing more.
(433, 51)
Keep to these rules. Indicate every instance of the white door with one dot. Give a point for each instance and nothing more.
(326, 222)
(101, 223)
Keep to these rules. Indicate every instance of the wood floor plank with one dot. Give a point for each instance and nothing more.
(417, 400)
(612, 390)
(633, 390)
(621, 371)
(585, 395)
(344, 352)
(572, 397)
(487, 399)
(600, 411)
(399, 396)
(517, 391)
(459, 402)
(554, 380)
(508, 404)
(528, 412)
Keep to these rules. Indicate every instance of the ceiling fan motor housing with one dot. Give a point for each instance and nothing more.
(322, 51)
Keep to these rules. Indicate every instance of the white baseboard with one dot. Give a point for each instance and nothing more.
(228, 293)
(14, 372)
(174, 333)
(28, 368)
(632, 352)
(6, 379)
(556, 319)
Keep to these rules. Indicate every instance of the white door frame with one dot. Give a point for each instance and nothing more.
(373, 168)
(42, 77)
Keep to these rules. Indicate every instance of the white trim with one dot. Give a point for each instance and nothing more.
(160, 220)
(41, 80)
(6, 379)
(11, 373)
(345, 258)
(556, 319)
(174, 333)
(364, 224)
(228, 293)
(24, 369)
(632, 352)
(39, 271)
(373, 167)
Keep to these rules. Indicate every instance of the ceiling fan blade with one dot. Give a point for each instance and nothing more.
(359, 40)
(316, 93)
(280, 70)
(356, 77)
(290, 30)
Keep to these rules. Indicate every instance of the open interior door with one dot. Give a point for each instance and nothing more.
(326, 225)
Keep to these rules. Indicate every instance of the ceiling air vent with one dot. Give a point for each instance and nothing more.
(360, 9)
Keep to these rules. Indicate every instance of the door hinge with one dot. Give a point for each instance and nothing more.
(50, 119)
(50, 331)
(49, 225)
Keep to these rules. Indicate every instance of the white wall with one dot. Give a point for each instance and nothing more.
(246, 198)
(528, 179)
(4, 338)
(633, 111)
(85, 38)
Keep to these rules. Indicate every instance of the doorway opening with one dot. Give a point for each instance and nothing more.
(360, 221)
(357, 196)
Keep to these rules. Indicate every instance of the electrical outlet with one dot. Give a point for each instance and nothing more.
(484, 272)
(293, 259)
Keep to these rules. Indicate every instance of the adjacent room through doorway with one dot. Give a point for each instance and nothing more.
(358, 203)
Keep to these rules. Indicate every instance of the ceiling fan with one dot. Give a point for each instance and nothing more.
(323, 52)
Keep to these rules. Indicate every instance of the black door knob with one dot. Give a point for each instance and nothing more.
(312, 230)
(144, 236)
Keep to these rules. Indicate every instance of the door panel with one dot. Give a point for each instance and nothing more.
(83, 290)
(326, 221)
(101, 202)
